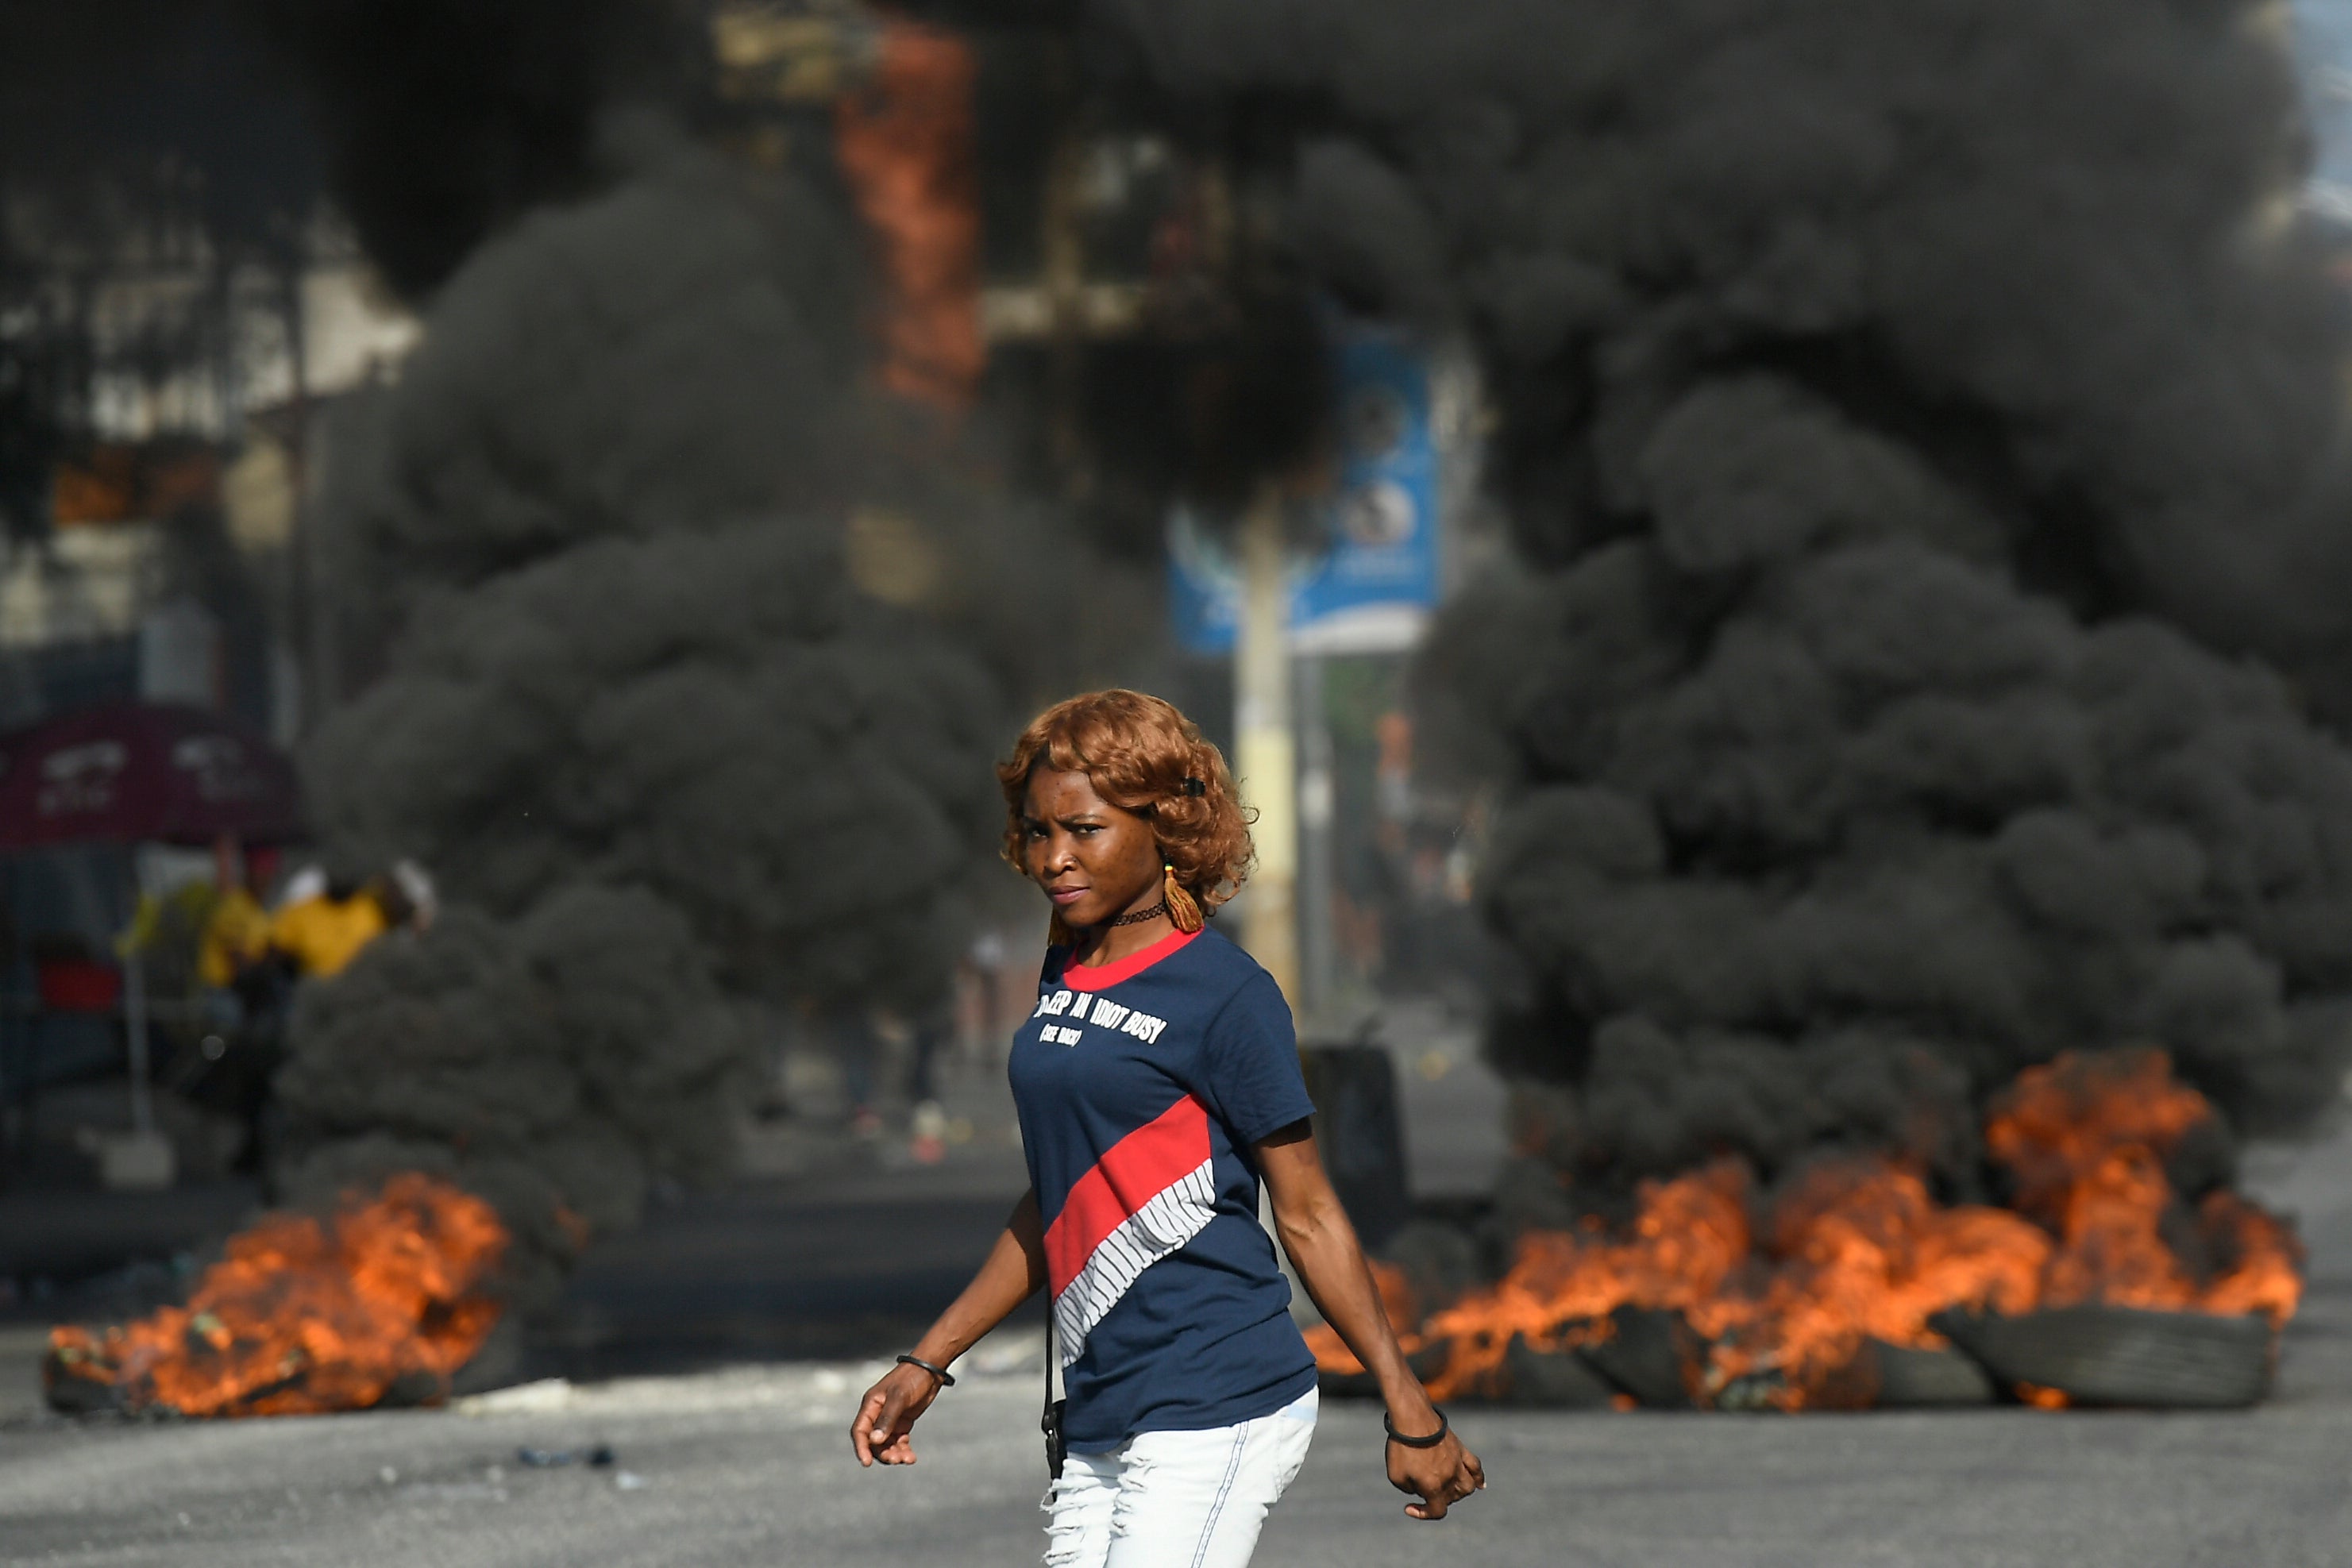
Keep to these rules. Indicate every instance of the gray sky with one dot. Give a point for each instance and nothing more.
(2324, 29)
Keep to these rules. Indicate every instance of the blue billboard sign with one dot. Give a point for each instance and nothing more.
(1371, 589)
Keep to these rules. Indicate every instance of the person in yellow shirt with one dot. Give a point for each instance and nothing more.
(322, 933)
(235, 936)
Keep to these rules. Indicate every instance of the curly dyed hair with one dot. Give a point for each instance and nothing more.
(1140, 752)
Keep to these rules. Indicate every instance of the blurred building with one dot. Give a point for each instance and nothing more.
(160, 396)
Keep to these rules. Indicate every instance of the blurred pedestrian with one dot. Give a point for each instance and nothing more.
(847, 1030)
(236, 936)
(983, 970)
(1157, 1084)
(321, 935)
(244, 983)
(927, 1122)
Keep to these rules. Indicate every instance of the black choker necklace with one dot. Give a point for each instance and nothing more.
(1140, 917)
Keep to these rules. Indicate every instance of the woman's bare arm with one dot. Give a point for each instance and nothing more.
(1014, 1271)
(1322, 1245)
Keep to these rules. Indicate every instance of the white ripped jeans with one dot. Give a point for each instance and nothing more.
(1176, 1500)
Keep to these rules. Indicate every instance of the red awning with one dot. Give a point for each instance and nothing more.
(143, 772)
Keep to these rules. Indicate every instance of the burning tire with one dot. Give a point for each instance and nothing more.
(1907, 1378)
(70, 1385)
(2121, 1356)
(1645, 1355)
(1551, 1379)
(379, 1303)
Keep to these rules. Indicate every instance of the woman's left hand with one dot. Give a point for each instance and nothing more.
(1441, 1476)
(1314, 1228)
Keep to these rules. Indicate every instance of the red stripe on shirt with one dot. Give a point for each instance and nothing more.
(1078, 978)
(1135, 1170)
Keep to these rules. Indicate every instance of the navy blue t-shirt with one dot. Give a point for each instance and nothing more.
(1141, 1085)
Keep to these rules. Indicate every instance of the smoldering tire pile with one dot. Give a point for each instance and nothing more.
(2067, 1356)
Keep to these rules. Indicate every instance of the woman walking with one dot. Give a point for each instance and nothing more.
(1157, 1084)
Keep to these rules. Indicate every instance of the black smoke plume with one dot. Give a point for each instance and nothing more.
(667, 761)
(441, 122)
(1923, 434)
(558, 1065)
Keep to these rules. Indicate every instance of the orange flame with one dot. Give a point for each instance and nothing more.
(2085, 1138)
(1857, 1249)
(2057, 1125)
(301, 1317)
(905, 142)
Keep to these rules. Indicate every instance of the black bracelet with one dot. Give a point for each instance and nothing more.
(946, 1378)
(1443, 1427)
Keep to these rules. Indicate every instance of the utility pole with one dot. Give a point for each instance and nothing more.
(1268, 760)
(1318, 961)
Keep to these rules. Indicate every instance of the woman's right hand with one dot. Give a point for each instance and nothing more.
(886, 1416)
(1015, 1270)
